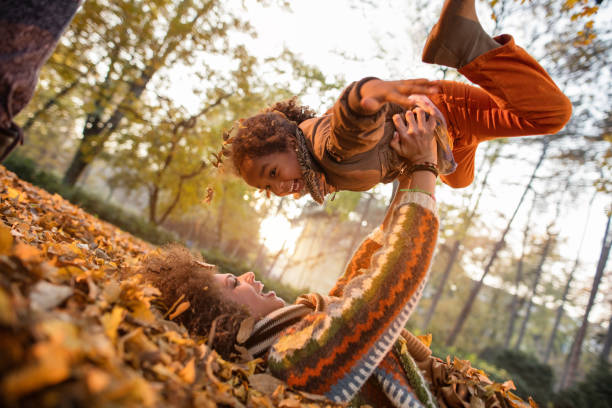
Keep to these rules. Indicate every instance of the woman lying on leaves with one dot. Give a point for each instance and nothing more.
(351, 341)
(286, 149)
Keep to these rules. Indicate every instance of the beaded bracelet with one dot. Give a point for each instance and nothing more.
(360, 84)
(417, 190)
(426, 166)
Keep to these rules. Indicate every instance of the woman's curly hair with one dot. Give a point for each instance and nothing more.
(175, 272)
(269, 131)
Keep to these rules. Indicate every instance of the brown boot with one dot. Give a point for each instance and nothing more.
(457, 38)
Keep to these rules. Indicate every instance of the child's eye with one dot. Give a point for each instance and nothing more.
(235, 283)
(273, 173)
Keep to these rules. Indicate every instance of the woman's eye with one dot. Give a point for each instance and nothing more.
(273, 173)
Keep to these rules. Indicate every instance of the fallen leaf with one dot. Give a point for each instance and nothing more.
(188, 372)
(111, 321)
(6, 240)
(53, 367)
(45, 295)
(426, 339)
(246, 328)
(265, 383)
(7, 311)
(289, 403)
(180, 309)
(97, 380)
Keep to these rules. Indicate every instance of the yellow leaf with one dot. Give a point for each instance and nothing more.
(188, 373)
(180, 309)
(143, 312)
(14, 194)
(426, 339)
(7, 310)
(27, 253)
(111, 322)
(177, 338)
(96, 380)
(51, 368)
(6, 240)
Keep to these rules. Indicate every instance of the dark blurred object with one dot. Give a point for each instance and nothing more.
(29, 32)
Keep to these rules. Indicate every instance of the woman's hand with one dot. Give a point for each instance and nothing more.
(375, 93)
(414, 137)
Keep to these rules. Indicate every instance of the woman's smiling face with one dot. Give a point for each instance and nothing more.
(247, 291)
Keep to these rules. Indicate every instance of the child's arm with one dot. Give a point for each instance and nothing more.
(369, 95)
(410, 142)
(358, 117)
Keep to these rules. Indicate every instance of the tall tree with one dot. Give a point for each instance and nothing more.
(573, 359)
(468, 217)
(514, 304)
(550, 238)
(605, 351)
(465, 311)
(139, 40)
(568, 283)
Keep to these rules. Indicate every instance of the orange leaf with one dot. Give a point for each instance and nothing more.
(6, 240)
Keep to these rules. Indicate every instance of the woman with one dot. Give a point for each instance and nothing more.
(330, 345)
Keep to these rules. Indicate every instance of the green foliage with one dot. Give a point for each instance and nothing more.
(531, 377)
(595, 391)
(26, 169)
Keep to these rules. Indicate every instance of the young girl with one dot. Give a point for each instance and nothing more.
(286, 149)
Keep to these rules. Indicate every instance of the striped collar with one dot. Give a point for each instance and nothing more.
(267, 330)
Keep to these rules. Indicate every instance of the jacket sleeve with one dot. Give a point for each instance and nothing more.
(351, 132)
(333, 352)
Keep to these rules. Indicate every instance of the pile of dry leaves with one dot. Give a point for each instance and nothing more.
(72, 333)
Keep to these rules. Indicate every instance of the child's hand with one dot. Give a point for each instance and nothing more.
(375, 93)
(414, 137)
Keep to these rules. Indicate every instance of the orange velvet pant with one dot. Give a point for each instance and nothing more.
(516, 98)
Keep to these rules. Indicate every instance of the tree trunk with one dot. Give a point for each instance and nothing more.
(457, 245)
(570, 277)
(52, 101)
(442, 284)
(463, 315)
(605, 351)
(96, 132)
(519, 278)
(559, 315)
(536, 281)
(573, 359)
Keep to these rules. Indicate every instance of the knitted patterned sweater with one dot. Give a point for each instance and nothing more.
(334, 351)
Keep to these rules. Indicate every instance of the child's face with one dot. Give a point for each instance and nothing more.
(277, 172)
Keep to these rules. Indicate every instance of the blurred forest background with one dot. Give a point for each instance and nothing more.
(129, 113)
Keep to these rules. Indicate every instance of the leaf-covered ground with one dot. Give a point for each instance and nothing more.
(77, 327)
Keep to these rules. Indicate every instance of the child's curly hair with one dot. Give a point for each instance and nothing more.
(176, 272)
(269, 131)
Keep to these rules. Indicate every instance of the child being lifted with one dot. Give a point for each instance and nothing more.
(286, 149)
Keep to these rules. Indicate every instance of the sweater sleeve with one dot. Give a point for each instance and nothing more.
(353, 133)
(359, 262)
(333, 352)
